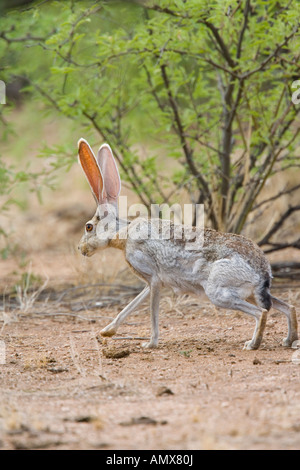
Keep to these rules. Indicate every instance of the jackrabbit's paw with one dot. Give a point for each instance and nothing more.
(150, 344)
(108, 331)
(288, 342)
(250, 345)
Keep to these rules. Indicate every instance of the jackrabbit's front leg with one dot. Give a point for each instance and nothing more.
(154, 310)
(111, 329)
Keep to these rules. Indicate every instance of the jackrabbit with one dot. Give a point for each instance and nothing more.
(229, 268)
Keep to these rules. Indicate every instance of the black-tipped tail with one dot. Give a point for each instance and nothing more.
(264, 293)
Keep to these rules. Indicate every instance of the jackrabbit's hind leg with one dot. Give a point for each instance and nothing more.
(290, 312)
(111, 329)
(229, 298)
(257, 337)
(260, 315)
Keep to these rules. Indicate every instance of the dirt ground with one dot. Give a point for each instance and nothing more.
(63, 387)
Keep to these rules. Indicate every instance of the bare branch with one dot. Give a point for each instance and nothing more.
(266, 239)
(180, 131)
(257, 183)
(283, 246)
(284, 192)
(228, 117)
(273, 54)
(28, 37)
(168, 11)
(244, 27)
(215, 32)
(286, 269)
(153, 91)
(221, 43)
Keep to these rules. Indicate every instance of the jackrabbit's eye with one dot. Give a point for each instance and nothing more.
(89, 227)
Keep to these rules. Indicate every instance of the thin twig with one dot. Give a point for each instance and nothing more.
(266, 239)
(119, 338)
(66, 314)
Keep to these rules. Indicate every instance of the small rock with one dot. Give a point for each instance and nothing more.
(115, 353)
(256, 361)
(142, 420)
(81, 419)
(57, 370)
(164, 391)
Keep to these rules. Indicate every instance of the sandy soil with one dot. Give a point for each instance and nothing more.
(63, 387)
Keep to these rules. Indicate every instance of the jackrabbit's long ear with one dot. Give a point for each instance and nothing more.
(92, 171)
(112, 180)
